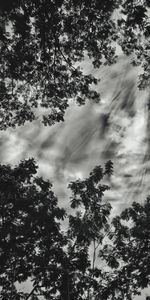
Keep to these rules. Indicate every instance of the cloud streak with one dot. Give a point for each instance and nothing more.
(117, 129)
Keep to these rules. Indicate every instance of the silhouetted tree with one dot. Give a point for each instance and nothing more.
(43, 42)
(90, 258)
(32, 244)
(130, 250)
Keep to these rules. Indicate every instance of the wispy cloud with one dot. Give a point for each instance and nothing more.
(117, 129)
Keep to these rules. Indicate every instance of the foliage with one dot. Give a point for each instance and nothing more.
(87, 229)
(130, 248)
(43, 43)
(92, 258)
(32, 243)
(134, 35)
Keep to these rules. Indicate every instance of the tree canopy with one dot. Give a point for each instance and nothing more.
(31, 242)
(76, 262)
(34, 246)
(130, 249)
(44, 41)
(42, 44)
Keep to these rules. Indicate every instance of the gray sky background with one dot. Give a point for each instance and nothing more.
(117, 128)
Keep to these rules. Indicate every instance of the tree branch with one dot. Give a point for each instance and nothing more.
(31, 293)
(94, 254)
(66, 60)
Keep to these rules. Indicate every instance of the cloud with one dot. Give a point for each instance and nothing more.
(117, 128)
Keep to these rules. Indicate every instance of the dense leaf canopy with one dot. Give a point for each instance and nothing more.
(43, 43)
(130, 249)
(93, 257)
(32, 244)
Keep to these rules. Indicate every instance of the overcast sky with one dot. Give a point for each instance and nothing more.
(115, 129)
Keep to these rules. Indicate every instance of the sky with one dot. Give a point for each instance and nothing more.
(117, 128)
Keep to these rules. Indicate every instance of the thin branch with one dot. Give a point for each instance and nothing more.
(66, 60)
(68, 288)
(97, 245)
(31, 293)
(94, 254)
(12, 87)
(54, 64)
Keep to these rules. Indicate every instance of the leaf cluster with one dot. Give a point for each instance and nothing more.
(32, 244)
(41, 44)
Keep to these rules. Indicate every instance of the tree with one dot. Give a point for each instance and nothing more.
(92, 258)
(43, 43)
(87, 229)
(130, 249)
(31, 242)
(33, 245)
(134, 32)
